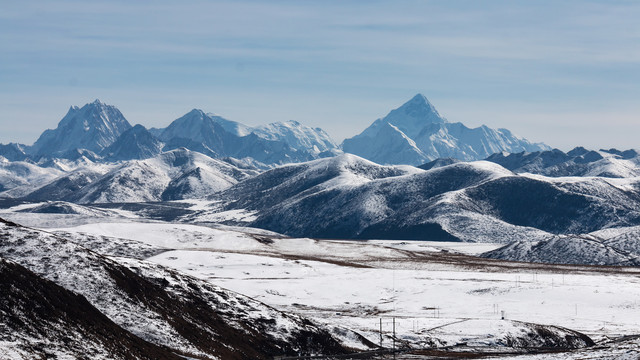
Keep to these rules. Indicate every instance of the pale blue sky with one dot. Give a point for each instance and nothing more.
(563, 72)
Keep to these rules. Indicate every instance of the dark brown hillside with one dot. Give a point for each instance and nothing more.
(46, 319)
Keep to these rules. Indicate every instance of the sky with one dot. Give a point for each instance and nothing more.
(566, 73)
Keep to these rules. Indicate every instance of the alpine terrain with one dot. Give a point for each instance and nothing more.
(416, 239)
(415, 133)
(93, 127)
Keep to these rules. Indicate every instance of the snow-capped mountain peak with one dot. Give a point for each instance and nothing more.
(420, 107)
(195, 125)
(432, 137)
(410, 118)
(297, 135)
(93, 127)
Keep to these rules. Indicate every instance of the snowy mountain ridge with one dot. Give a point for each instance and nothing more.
(276, 143)
(415, 133)
(610, 163)
(172, 175)
(350, 197)
(101, 133)
(412, 134)
(297, 135)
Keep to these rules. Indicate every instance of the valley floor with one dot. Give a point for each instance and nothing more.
(438, 294)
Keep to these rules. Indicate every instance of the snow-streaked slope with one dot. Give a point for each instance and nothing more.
(566, 250)
(438, 163)
(202, 132)
(194, 128)
(135, 143)
(113, 246)
(626, 240)
(231, 126)
(87, 274)
(614, 246)
(298, 136)
(81, 159)
(577, 162)
(284, 184)
(68, 184)
(19, 177)
(559, 205)
(469, 201)
(617, 348)
(416, 133)
(53, 214)
(515, 334)
(61, 207)
(163, 306)
(94, 127)
(348, 196)
(387, 146)
(13, 152)
(176, 174)
(41, 319)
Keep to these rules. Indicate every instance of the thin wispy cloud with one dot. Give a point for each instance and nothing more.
(348, 62)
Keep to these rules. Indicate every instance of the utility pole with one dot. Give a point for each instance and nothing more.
(381, 333)
(394, 337)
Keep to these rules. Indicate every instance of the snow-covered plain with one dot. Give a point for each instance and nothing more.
(438, 295)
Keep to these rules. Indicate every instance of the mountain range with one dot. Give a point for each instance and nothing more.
(295, 180)
(610, 163)
(100, 133)
(68, 293)
(172, 175)
(412, 134)
(350, 197)
(540, 218)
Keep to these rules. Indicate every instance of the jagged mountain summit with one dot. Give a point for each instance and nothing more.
(416, 133)
(93, 127)
(99, 132)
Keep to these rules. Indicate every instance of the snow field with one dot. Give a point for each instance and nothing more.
(433, 303)
(595, 304)
(354, 284)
